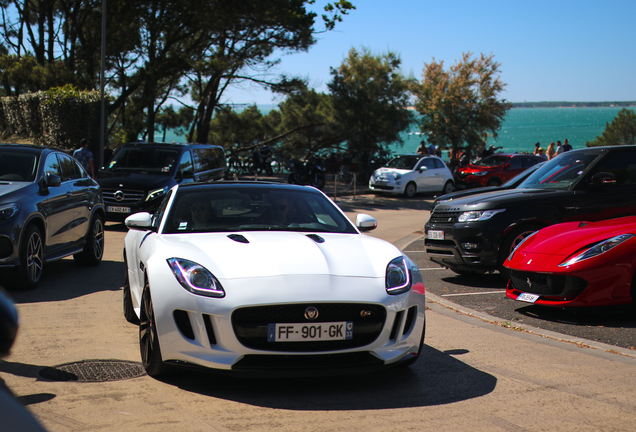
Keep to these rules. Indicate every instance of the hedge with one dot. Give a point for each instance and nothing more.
(59, 117)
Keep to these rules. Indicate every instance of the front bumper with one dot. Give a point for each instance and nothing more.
(464, 247)
(230, 334)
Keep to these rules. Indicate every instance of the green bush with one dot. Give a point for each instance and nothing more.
(59, 117)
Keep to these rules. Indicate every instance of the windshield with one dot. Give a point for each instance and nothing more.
(17, 165)
(560, 172)
(494, 160)
(147, 159)
(405, 162)
(203, 209)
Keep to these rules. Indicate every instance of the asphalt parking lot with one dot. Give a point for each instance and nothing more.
(486, 294)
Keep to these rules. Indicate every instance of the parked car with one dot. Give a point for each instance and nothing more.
(412, 173)
(254, 277)
(139, 174)
(476, 233)
(510, 184)
(576, 264)
(50, 208)
(494, 170)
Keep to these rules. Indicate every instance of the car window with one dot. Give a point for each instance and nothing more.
(159, 214)
(206, 159)
(429, 163)
(253, 209)
(185, 164)
(144, 159)
(620, 164)
(493, 160)
(515, 163)
(69, 168)
(438, 163)
(16, 165)
(560, 172)
(403, 162)
(52, 165)
(529, 162)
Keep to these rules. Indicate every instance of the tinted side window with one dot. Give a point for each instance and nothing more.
(515, 163)
(52, 165)
(70, 169)
(185, 164)
(621, 164)
(428, 163)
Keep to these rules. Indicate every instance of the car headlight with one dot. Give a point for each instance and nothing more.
(478, 215)
(397, 176)
(597, 249)
(195, 278)
(156, 193)
(519, 245)
(8, 211)
(398, 278)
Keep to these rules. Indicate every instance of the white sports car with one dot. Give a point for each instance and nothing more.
(263, 278)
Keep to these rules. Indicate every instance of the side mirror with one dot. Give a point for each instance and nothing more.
(603, 178)
(139, 221)
(506, 166)
(53, 180)
(8, 323)
(187, 174)
(364, 222)
(422, 169)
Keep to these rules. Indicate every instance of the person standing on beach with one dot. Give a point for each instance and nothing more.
(559, 149)
(566, 145)
(85, 157)
(536, 148)
(551, 151)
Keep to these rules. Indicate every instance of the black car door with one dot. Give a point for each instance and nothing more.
(56, 206)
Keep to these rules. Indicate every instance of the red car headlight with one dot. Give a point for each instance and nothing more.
(596, 249)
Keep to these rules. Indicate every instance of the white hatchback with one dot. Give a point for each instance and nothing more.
(412, 173)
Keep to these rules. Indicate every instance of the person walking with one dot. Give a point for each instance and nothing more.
(85, 157)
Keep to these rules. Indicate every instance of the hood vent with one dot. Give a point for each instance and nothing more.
(316, 238)
(238, 238)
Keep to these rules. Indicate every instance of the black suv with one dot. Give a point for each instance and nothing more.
(49, 209)
(139, 174)
(476, 233)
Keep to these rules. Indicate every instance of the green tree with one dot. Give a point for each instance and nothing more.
(622, 131)
(178, 121)
(460, 108)
(370, 99)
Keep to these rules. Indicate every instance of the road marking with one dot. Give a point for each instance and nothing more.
(474, 293)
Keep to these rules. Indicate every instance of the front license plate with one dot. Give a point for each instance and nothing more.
(118, 209)
(381, 183)
(436, 235)
(290, 332)
(527, 297)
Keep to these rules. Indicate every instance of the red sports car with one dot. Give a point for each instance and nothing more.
(576, 264)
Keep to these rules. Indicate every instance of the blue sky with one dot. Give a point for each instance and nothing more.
(549, 50)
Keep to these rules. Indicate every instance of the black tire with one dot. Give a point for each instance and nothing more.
(94, 247)
(511, 241)
(129, 311)
(448, 188)
(410, 190)
(29, 272)
(494, 182)
(148, 339)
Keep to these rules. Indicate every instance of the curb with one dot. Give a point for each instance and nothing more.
(403, 243)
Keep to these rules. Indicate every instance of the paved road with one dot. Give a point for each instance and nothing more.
(473, 375)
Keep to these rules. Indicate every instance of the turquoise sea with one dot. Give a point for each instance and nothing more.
(522, 128)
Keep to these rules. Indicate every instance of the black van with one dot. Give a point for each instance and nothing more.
(139, 174)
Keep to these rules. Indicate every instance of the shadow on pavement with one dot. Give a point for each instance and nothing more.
(437, 378)
(64, 280)
(623, 317)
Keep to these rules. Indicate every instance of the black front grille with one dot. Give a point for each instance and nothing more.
(122, 197)
(546, 284)
(440, 217)
(251, 323)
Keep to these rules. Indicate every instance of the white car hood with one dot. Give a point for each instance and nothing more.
(284, 253)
